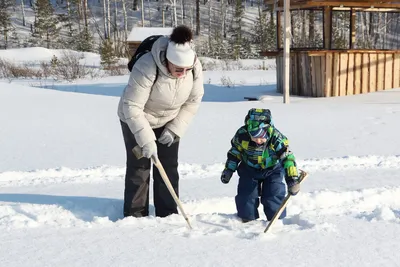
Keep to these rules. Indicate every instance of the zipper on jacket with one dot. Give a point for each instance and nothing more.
(177, 82)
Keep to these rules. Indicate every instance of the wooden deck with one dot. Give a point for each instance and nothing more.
(339, 73)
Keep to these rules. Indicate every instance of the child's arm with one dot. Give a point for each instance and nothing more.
(281, 146)
(234, 158)
(235, 153)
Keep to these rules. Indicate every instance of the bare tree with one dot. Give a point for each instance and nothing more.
(125, 19)
(223, 10)
(303, 36)
(182, 12)
(149, 9)
(183, 9)
(191, 18)
(209, 23)
(174, 17)
(142, 11)
(197, 17)
(311, 27)
(106, 33)
(135, 5)
(85, 13)
(23, 13)
(79, 14)
(108, 19)
(115, 26)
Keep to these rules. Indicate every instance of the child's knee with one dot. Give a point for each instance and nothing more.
(247, 207)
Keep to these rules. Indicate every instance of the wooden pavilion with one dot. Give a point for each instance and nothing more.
(138, 34)
(349, 66)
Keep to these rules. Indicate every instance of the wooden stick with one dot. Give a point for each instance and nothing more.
(278, 213)
(164, 176)
(137, 151)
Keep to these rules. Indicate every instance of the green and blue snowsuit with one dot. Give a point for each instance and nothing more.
(261, 169)
(260, 157)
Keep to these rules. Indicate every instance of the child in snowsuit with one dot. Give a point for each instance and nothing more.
(261, 156)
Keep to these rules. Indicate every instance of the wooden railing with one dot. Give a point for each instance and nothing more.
(339, 73)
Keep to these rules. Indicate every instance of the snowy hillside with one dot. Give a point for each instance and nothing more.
(153, 17)
(62, 177)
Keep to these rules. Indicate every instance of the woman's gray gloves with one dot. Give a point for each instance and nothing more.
(149, 150)
(167, 137)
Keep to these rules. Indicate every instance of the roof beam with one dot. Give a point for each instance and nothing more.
(352, 4)
(366, 9)
(297, 4)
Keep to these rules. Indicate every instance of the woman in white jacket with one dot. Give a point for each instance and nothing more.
(163, 94)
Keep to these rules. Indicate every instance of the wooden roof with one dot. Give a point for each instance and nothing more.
(138, 34)
(337, 3)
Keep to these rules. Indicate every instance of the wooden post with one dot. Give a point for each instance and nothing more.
(279, 59)
(373, 67)
(388, 71)
(286, 52)
(357, 73)
(278, 30)
(352, 28)
(365, 79)
(327, 27)
(380, 72)
(328, 74)
(396, 70)
(350, 75)
(344, 58)
(336, 75)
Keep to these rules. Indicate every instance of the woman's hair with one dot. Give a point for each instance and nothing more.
(181, 34)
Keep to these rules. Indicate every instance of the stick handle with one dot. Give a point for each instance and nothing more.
(167, 182)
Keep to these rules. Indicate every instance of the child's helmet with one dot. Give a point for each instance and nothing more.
(257, 121)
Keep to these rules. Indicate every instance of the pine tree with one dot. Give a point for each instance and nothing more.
(265, 32)
(107, 55)
(68, 21)
(84, 41)
(46, 22)
(5, 21)
(15, 39)
(237, 39)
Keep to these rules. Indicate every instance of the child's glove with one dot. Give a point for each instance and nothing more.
(226, 176)
(293, 185)
(292, 176)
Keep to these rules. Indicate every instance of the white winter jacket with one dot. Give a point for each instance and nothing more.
(169, 101)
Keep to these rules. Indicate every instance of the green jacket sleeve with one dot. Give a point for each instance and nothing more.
(235, 153)
(280, 144)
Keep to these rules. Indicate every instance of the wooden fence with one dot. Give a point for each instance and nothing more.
(340, 73)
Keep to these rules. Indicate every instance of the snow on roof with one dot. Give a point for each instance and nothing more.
(138, 34)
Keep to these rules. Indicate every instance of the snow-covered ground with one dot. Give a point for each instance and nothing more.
(62, 176)
(36, 55)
